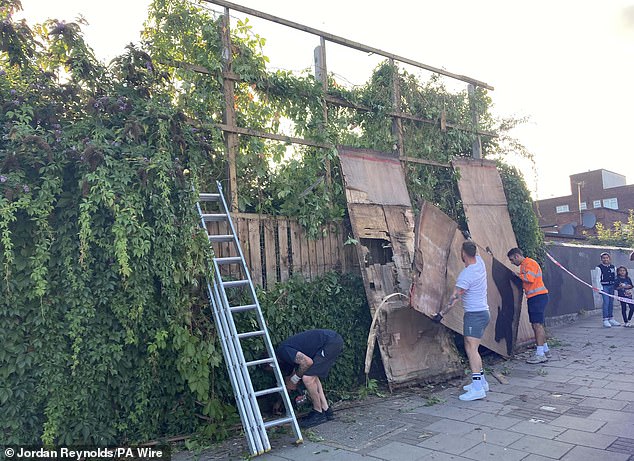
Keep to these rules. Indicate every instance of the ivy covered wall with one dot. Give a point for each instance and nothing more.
(106, 332)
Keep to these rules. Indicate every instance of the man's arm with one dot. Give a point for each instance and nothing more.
(303, 364)
(455, 296)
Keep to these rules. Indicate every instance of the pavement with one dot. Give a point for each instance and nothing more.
(578, 406)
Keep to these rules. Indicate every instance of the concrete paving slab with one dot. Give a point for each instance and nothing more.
(596, 392)
(606, 404)
(617, 429)
(494, 421)
(538, 429)
(495, 436)
(592, 454)
(491, 451)
(581, 424)
(447, 411)
(586, 439)
(613, 416)
(449, 444)
(543, 447)
(397, 451)
(449, 426)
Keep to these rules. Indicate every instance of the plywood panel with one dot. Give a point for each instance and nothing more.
(400, 223)
(373, 177)
(437, 266)
(488, 219)
(412, 347)
(368, 221)
(434, 235)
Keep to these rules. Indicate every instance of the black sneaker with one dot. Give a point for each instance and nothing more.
(314, 418)
(330, 415)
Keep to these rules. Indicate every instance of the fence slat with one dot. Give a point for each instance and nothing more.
(296, 247)
(270, 253)
(282, 236)
(255, 251)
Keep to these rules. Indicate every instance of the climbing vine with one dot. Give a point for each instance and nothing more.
(106, 332)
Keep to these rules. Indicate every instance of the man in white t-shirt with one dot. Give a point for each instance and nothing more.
(471, 287)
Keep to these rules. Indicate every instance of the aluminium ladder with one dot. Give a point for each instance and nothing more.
(238, 368)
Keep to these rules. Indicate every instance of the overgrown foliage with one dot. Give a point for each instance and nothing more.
(106, 335)
(525, 224)
(621, 234)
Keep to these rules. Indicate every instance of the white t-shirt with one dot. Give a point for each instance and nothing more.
(473, 279)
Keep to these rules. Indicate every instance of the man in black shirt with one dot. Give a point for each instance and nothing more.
(608, 276)
(308, 356)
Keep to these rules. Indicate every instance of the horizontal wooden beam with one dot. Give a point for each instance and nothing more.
(342, 102)
(276, 137)
(349, 43)
(423, 161)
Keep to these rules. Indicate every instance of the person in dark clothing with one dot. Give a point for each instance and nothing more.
(608, 275)
(309, 356)
(623, 285)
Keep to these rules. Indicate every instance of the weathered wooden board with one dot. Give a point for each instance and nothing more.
(412, 347)
(489, 222)
(282, 233)
(255, 251)
(373, 177)
(270, 254)
(435, 231)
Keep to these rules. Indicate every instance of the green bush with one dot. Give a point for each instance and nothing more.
(334, 301)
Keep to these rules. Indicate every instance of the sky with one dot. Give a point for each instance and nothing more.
(567, 65)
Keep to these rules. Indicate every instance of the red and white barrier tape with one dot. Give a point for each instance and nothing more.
(558, 264)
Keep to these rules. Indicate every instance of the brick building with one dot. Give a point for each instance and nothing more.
(598, 196)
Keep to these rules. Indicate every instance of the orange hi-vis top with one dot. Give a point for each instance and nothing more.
(531, 275)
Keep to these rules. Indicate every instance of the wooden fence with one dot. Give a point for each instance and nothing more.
(276, 248)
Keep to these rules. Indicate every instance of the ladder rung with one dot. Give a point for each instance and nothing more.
(272, 390)
(209, 197)
(230, 260)
(221, 238)
(250, 334)
(214, 217)
(246, 307)
(278, 422)
(235, 283)
(260, 362)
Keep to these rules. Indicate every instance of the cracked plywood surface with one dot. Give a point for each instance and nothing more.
(412, 347)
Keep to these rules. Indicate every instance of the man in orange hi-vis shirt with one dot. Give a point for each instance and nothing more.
(536, 297)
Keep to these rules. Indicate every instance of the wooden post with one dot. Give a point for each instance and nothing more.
(321, 73)
(477, 143)
(397, 124)
(229, 116)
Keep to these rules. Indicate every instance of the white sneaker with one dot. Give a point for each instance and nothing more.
(607, 324)
(472, 394)
(614, 323)
(485, 386)
(627, 324)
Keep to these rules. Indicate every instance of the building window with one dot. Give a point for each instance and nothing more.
(562, 209)
(611, 203)
(596, 204)
(583, 206)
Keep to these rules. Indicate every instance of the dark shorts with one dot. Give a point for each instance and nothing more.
(537, 307)
(474, 323)
(326, 357)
